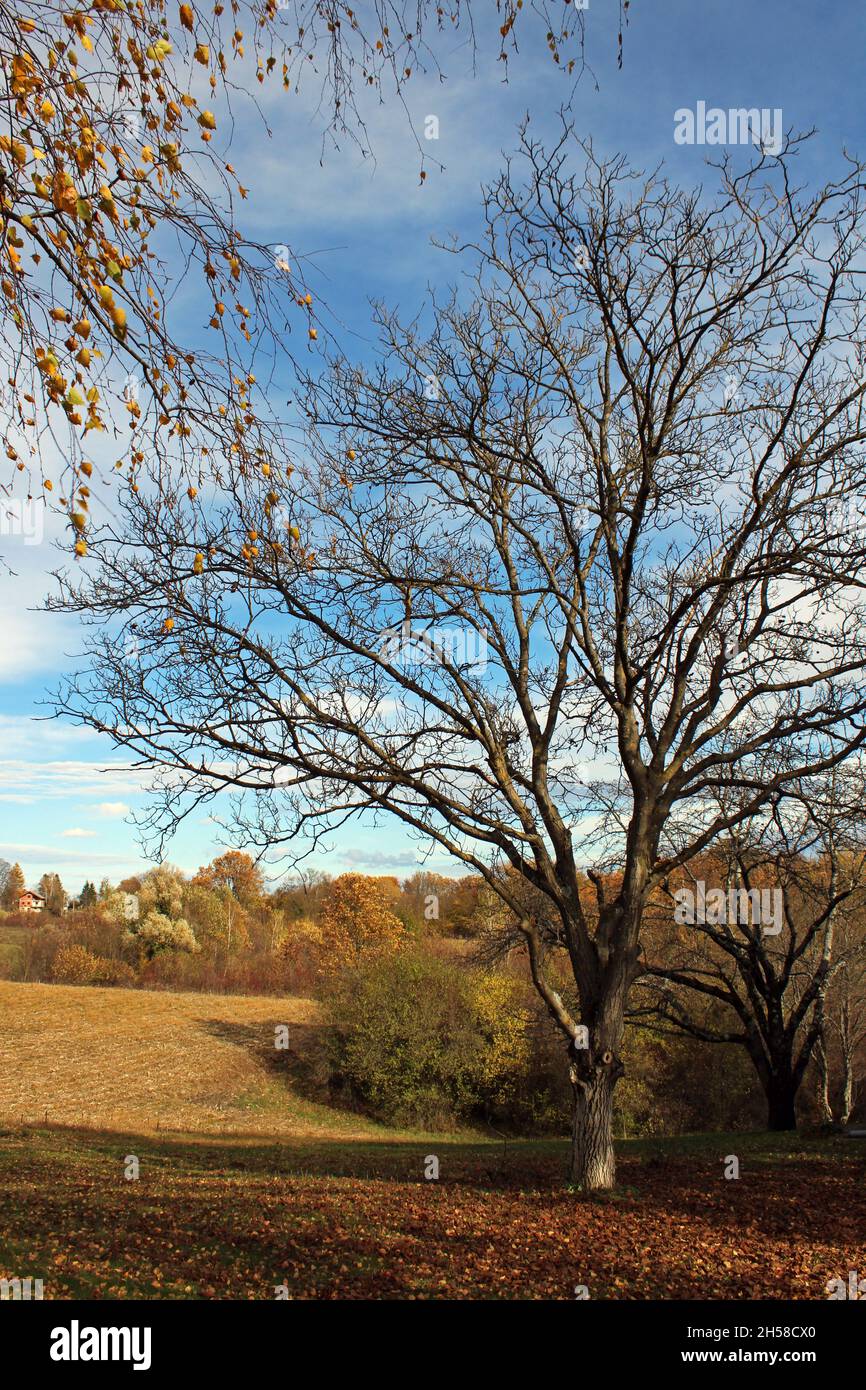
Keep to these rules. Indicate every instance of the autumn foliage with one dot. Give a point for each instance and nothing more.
(357, 923)
(418, 1040)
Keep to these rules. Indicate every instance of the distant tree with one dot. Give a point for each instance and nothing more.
(303, 895)
(53, 892)
(5, 868)
(313, 881)
(219, 920)
(357, 922)
(161, 925)
(471, 906)
(158, 933)
(237, 872)
(129, 885)
(162, 891)
(424, 897)
(13, 889)
(88, 896)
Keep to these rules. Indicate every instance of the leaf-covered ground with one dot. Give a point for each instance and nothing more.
(212, 1219)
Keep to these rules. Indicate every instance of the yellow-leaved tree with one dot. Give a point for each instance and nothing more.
(357, 923)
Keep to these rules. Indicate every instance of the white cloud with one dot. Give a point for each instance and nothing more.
(34, 731)
(44, 856)
(358, 857)
(32, 642)
(112, 810)
(74, 865)
(76, 833)
(24, 781)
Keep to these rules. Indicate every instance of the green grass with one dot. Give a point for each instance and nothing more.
(11, 950)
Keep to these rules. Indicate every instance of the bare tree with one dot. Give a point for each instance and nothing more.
(780, 929)
(536, 582)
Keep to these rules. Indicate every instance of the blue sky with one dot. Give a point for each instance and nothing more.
(364, 228)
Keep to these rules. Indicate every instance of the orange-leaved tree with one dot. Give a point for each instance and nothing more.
(357, 922)
(237, 872)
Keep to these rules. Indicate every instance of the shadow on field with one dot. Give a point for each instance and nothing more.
(481, 1164)
(657, 1174)
(302, 1064)
(796, 1196)
(260, 1039)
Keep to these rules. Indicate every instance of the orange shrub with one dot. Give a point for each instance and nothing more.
(75, 965)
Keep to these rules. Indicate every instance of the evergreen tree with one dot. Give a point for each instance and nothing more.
(13, 888)
(88, 895)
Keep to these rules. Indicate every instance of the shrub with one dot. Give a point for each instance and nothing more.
(159, 933)
(75, 965)
(115, 972)
(420, 1041)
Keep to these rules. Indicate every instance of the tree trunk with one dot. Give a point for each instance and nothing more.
(780, 1102)
(593, 1166)
(823, 1064)
(847, 1089)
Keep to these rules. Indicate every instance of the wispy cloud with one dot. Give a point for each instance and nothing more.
(358, 857)
(45, 857)
(31, 780)
(35, 731)
(31, 642)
